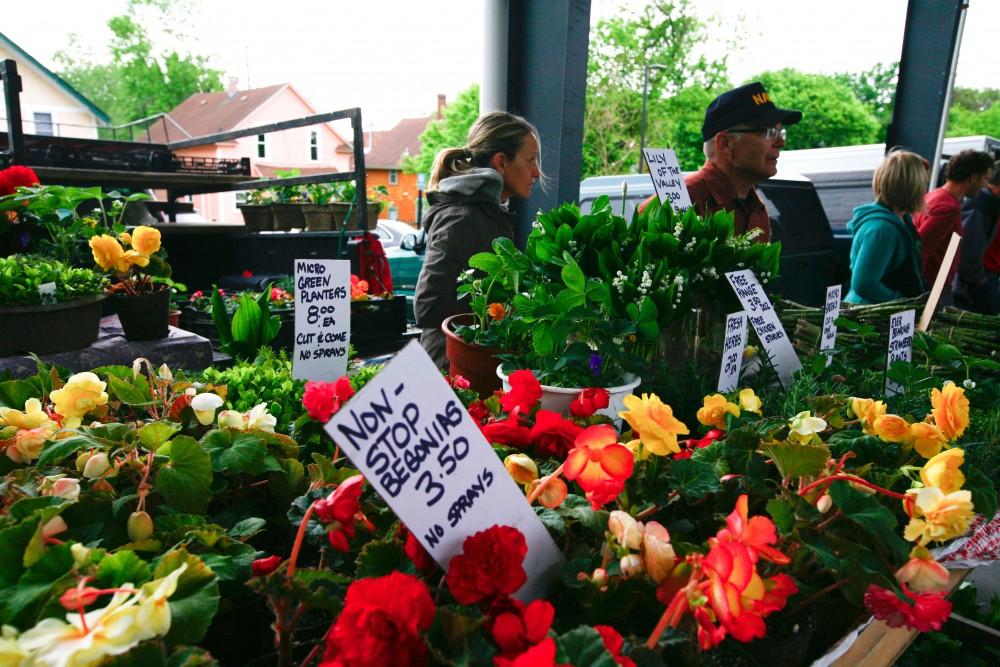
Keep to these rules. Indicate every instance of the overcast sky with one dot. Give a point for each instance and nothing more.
(392, 57)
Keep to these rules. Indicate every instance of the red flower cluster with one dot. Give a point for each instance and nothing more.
(322, 399)
(927, 611)
(589, 401)
(490, 565)
(264, 566)
(510, 432)
(525, 391)
(15, 177)
(339, 510)
(381, 624)
(552, 435)
(521, 628)
(614, 642)
(416, 552)
(688, 446)
(459, 381)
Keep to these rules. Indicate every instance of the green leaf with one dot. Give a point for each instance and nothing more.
(185, 482)
(194, 603)
(577, 508)
(456, 639)
(584, 646)
(20, 603)
(794, 460)
(247, 528)
(13, 542)
(123, 567)
(146, 654)
(244, 453)
(220, 316)
(246, 321)
(694, 479)
(57, 450)
(868, 513)
(13, 393)
(128, 393)
(380, 558)
(984, 494)
(782, 513)
(713, 455)
(572, 276)
(155, 434)
(323, 589)
(552, 521)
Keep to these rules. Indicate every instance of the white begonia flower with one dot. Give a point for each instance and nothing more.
(631, 565)
(204, 406)
(230, 419)
(804, 426)
(969, 384)
(627, 531)
(258, 418)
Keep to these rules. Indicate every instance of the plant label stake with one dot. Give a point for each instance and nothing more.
(939, 280)
(765, 323)
(47, 292)
(831, 311)
(415, 443)
(900, 345)
(667, 178)
(322, 318)
(732, 351)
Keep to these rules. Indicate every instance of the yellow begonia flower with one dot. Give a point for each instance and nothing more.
(107, 251)
(28, 444)
(714, 410)
(922, 573)
(129, 259)
(125, 237)
(749, 401)
(522, 468)
(950, 409)
(81, 394)
(32, 417)
(867, 411)
(891, 428)
(943, 471)
(655, 423)
(129, 618)
(939, 516)
(145, 240)
(803, 427)
(927, 439)
(639, 452)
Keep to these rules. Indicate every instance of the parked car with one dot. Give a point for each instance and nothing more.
(405, 251)
(391, 232)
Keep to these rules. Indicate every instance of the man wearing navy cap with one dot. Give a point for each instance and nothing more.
(744, 133)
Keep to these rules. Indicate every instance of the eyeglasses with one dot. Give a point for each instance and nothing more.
(770, 133)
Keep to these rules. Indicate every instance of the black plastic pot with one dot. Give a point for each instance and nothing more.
(144, 317)
(48, 329)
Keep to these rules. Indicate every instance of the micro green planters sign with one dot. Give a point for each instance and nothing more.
(415, 443)
(322, 318)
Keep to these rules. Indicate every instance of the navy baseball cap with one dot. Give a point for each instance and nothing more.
(746, 105)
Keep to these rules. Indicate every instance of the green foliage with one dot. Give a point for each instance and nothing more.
(267, 379)
(137, 77)
(22, 275)
(450, 131)
(252, 326)
(876, 89)
(185, 482)
(831, 114)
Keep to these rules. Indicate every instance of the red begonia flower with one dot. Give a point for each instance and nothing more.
(509, 432)
(614, 642)
(490, 565)
(928, 611)
(323, 399)
(264, 566)
(599, 463)
(338, 511)
(416, 552)
(181, 402)
(518, 630)
(589, 401)
(542, 654)
(757, 533)
(552, 435)
(16, 176)
(524, 393)
(478, 411)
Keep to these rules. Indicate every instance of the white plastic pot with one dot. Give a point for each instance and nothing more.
(558, 399)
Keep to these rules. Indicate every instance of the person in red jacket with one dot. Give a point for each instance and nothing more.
(743, 133)
(966, 175)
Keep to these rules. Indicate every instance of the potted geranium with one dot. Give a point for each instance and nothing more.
(135, 261)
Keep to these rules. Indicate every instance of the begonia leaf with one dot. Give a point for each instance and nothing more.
(155, 434)
(871, 515)
(57, 450)
(378, 559)
(984, 495)
(234, 452)
(194, 603)
(583, 646)
(122, 567)
(185, 481)
(693, 479)
(794, 460)
(130, 393)
(146, 654)
(19, 604)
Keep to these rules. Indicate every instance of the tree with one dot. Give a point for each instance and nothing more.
(831, 114)
(876, 89)
(136, 79)
(450, 131)
(667, 34)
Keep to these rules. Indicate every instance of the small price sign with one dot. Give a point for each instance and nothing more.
(322, 318)
(901, 327)
(732, 351)
(831, 311)
(667, 177)
(765, 323)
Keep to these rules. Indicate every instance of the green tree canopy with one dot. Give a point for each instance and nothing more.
(450, 131)
(876, 89)
(831, 114)
(137, 78)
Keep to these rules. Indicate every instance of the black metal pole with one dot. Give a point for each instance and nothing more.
(420, 208)
(12, 98)
(642, 129)
(361, 193)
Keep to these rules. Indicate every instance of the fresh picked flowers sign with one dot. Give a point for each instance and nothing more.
(415, 443)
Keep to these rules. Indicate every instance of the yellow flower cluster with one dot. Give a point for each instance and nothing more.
(655, 423)
(32, 428)
(941, 509)
(947, 422)
(110, 255)
(81, 394)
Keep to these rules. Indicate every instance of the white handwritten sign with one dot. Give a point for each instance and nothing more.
(732, 351)
(766, 323)
(322, 318)
(900, 345)
(667, 178)
(831, 311)
(47, 292)
(416, 444)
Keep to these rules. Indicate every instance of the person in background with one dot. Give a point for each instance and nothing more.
(977, 285)
(885, 246)
(965, 175)
(743, 133)
(468, 193)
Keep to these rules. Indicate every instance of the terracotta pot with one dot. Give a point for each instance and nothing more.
(319, 218)
(174, 318)
(475, 363)
(288, 216)
(144, 317)
(257, 217)
(558, 399)
(47, 329)
(354, 222)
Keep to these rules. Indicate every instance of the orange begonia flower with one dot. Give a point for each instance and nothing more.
(757, 533)
(867, 411)
(598, 463)
(926, 438)
(496, 311)
(891, 428)
(950, 409)
(943, 471)
(714, 410)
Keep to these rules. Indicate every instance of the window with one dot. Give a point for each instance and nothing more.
(393, 177)
(43, 124)
(261, 146)
(393, 212)
(313, 145)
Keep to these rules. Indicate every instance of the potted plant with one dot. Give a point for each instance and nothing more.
(141, 296)
(46, 306)
(318, 212)
(256, 210)
(288, 203)
(343, 205)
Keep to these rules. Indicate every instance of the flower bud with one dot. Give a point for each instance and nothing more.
(230, 419)
(204, 406)
(631, 565)
(80, 553)
(658, 553)
(81, 460)
(96, 466)
(627, 531)
(66, 487)
(552, 495)
(264, 566)
(76, 598)
(521, 467)
(163, 373)
(600, 577)
(824, 503)
(140, 526)
(54, 526)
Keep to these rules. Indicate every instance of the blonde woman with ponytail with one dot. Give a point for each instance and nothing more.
(468, 192)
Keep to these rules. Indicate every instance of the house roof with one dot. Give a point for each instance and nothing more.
(389, 147)
(56, 79)
(211, 113)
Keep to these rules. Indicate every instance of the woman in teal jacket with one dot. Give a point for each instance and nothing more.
(885, 248)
